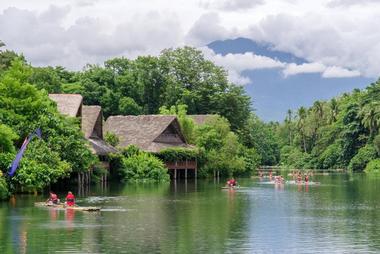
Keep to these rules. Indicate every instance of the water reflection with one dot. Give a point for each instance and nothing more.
(340, 215)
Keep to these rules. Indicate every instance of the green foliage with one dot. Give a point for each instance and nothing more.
(24, 108)
(45, 78)
(340, 133)
(111, 138)
(142, 86)
(128, 106)
(178, 154)
(331, 157)
(186, 123)
(131, 151)
(373, 167)
(143, 167)
(364, 155)
(7, 136)
(261, 136)
(4, 192)
(222, 150)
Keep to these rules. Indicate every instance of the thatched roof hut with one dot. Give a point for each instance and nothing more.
(151, 133)
(68, 104)
(92, 127)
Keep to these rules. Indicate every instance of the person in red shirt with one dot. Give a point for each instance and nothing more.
(70, 199)
(53, 199)
(232, 182)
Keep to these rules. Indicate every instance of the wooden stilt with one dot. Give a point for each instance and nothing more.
(185, 173)
(175, 173)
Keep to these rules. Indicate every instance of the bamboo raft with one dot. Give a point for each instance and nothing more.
(63, 206)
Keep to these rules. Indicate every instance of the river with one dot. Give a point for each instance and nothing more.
(340, 215)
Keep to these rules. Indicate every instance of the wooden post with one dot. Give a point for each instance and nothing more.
(195, 173)
(175, 173)
(185, 173)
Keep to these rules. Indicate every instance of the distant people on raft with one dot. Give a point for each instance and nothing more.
(70, 199)
(53, 198)
(232, 182)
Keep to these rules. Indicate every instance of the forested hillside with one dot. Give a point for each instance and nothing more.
(340, 133)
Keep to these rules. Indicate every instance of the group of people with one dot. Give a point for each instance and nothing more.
(53, 199)
(297, 176)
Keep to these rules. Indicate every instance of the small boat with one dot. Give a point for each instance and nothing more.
(231, 187)
(63, 206)
(302, 182)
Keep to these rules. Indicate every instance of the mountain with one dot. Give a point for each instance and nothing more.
(273, 94)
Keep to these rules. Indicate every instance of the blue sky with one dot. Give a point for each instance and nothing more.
(304, 50)
(273, 93)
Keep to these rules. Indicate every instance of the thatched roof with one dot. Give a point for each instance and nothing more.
(100, 147)
(150, 133)
(68, 104)
(92, 118)
(201, 119)
(92, 127)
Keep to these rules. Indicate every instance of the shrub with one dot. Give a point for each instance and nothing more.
(331, 157)
(143, 167)
(364, 155)
(373, 166)
(4, 193)
(178, 154)
(111, 138)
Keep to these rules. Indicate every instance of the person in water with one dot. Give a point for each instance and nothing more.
(70, 199)
(306, 178)
(232, 182)
(53, 198)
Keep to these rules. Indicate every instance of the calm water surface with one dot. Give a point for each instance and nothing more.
(339, 216)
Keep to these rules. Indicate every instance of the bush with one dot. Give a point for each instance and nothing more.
(143, 167)
(111, 139)
(178, 154)
(331, 157)
(4, 193)
(373, 167)
(364, 155)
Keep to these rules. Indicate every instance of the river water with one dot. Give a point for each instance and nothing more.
(341, 215)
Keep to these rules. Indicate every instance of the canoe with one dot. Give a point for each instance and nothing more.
(303, 182)
(231, 188)
(62, 206)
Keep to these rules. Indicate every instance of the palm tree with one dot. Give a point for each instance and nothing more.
(2, 44)
(370, 115)
(301, 125)
(288, 121)
(334, 110)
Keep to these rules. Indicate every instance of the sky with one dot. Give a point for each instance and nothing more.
(336, 39)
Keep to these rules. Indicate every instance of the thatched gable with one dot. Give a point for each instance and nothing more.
(100, 147)
(201, 119)
(68, 104)
(92, 121)
(92, 127)
(150, 133)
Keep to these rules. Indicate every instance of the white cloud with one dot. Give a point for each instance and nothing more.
(338, 72)
(237, 78)
(74, 32)
(338, 3)
(235, 64)
(294, 69)
(206, 29)
(44, 39)
(334, 38)
(232, 5)
(326, 71)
